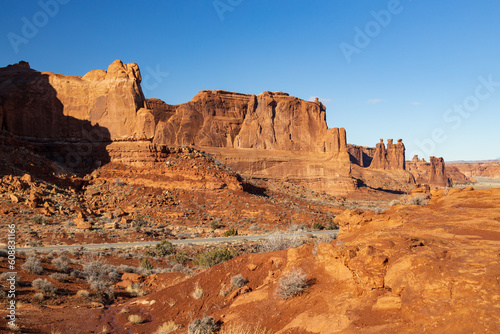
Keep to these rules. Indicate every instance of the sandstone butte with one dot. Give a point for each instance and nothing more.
(104, 116)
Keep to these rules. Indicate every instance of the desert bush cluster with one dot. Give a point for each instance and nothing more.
(278, 242)
(44, 286)
(214, 256)
(32, 265)
(206, 325)
(292, 284)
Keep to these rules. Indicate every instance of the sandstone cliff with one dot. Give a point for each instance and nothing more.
(103, 116)
(101, 105)
(271, 120)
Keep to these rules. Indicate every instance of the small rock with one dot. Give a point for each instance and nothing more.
(14, 198)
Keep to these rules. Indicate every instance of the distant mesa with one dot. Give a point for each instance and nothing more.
(270, 135)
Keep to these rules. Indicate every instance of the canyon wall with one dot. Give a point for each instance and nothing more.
(103, 116)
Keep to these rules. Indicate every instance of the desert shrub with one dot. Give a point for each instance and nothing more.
(214, 224)
(206, 325)
(215, 256)
(179, 268)
(3, 253)
(39, 220)
(277, 242)
(38, 296)
(128, 269)
(395, 202)
(32, 265)
(330, 225)
(238, 281)
(96, 272)
(83, 293)
(231, 232)
(291, 284)
(5, 276)
(61, 263)
(14, 327)
(164, 248)
(135, 319)
(59, 277)
(179, 257)
(418, 200)
(140, 221)
(44, 286)
(167, 327)
(135, 290)
(75, 273)
(198, 292)
(146, 264)
(317, 226)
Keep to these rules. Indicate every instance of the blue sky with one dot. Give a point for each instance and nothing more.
(425, 71)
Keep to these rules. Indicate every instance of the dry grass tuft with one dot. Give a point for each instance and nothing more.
(198, 292)
(135, 319)
(167, 327)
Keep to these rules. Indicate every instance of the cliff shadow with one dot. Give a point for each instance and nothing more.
(31, 111)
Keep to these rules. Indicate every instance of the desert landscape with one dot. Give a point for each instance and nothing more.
(273, 169)
(127, 207)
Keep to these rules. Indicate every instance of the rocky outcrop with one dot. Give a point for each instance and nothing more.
(102, 105)
(392, 158)
(361, 155)
(433, 173)
(269, 121)
(437, 175)
(103, 116)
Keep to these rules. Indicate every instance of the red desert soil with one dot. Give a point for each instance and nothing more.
(412, 269)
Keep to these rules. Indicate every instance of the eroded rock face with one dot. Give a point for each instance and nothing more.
(434, 173)
(271, 121)
(391, 158)
(102, 105)
(438, 173)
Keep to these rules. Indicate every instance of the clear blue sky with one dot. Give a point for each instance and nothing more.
(403, 79)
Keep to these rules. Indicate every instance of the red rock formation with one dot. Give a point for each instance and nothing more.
(438, 173)
(391, 158)
(434, 172)
(271, 120)
(270, 135)
(102, 104)
(361, 155)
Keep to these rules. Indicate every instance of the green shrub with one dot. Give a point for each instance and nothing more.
(164, 248)
(214, 224)
(318, 226)
(146, 264)
(231, 232)
(38, 219)
(179, 257)
(215, 256)
(330, 225)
